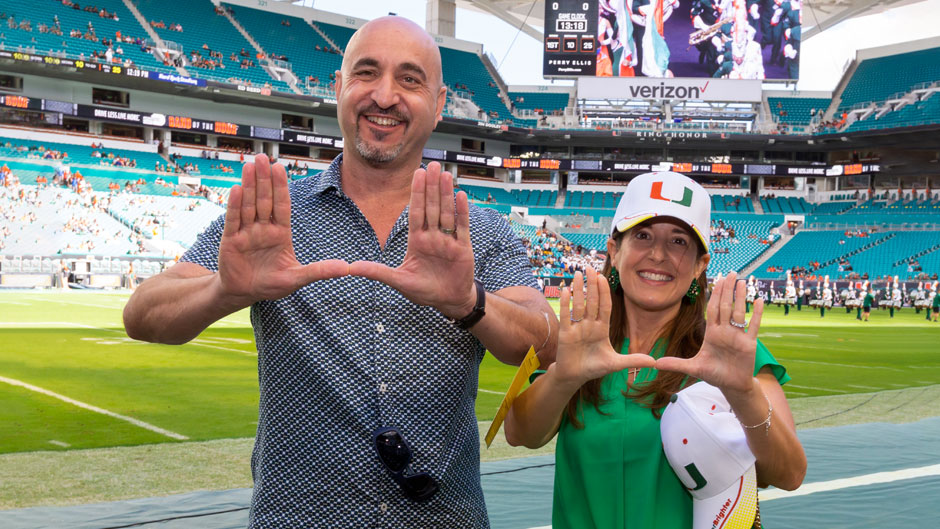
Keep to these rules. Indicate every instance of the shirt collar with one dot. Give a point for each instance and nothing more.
(330, 178)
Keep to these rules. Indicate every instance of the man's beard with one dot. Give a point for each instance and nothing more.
(377, 155)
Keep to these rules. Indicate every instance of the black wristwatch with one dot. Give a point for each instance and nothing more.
(478, 310)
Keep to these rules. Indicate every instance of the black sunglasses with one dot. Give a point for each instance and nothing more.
(395, 454)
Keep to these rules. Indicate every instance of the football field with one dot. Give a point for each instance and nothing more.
(71, 379)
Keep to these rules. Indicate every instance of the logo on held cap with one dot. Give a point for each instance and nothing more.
(656, 192)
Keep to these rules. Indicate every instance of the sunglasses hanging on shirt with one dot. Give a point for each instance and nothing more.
(395, 454)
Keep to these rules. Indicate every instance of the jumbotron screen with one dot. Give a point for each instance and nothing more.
(731, 39)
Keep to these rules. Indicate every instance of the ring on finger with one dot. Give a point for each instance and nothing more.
(576, 320)
(737, 324)
(449, 231)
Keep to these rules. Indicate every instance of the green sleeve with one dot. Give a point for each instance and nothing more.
(536, 374)
(764, 358)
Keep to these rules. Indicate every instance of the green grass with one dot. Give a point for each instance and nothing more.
(72, 343)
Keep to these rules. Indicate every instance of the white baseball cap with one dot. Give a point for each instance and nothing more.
(707, 449)
(665, 194)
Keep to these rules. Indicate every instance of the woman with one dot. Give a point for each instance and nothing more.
(604, 401)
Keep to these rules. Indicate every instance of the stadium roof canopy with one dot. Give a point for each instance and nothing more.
(818, 15)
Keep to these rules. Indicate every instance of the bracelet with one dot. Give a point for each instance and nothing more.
(765, 422)
(549, 324)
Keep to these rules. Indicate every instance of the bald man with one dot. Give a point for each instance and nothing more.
(374, 291)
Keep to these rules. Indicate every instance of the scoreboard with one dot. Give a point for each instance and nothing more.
(570, 38)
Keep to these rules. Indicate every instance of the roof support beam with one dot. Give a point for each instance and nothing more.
(508, 17)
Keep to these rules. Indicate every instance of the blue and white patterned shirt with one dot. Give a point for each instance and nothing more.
(339, 358)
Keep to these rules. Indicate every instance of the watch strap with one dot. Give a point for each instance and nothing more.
(478, 309)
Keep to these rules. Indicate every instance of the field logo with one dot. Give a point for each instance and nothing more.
(657, 193)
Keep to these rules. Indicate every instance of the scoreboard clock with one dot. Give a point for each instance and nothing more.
(570, 38)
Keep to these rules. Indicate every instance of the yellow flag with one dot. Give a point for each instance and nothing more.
(528, 366)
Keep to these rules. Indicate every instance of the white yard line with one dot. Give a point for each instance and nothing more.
(857, 481)
(89, 407)
(838, 365)
(859, 386)
(200, 344)
(490, 391)
(790, 385)
(59, 443)
(66, 324)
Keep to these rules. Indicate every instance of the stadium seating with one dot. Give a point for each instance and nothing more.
(797, 110)
(52, 221)
(77, 19)
(77, 154)
(787, 205)
(535, 197)
(816, 246)
(296, 41)
(925, 112)
(592, 199)
(467, 69)
(881, 78)
(546, 101)
(214, 31)
(486, 194)
(170, 218)
(730, 203)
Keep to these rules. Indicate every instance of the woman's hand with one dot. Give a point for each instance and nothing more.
(584, 350)
(726, 359)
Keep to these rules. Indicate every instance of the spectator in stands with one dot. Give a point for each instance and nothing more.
(315, 322)
(624, 351)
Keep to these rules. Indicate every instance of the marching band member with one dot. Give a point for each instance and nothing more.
(895, 297)
(867, 302)
(789, 295)
(799, 297)
(751, 294)
(920, 298)
(826, 298)
(936, 301)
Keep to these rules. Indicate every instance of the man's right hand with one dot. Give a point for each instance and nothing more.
(256, 254)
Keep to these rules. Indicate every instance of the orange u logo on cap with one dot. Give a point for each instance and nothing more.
(656, 192)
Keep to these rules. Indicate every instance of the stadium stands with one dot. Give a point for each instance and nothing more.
(93, 28)
(788, 205)
(870, 82)
(732, 203)
(215, 33)
(291, 37)
(545, 101)
(797, 110)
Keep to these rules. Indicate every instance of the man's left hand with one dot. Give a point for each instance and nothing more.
(438, 267)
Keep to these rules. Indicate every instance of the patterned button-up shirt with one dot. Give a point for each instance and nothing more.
(339, 358)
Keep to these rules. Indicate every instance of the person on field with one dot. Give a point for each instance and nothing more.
(632, 338)
(867, 303)
(374, 292)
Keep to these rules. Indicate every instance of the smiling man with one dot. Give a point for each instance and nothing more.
(374, 292)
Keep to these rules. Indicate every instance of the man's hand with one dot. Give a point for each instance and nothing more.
(256, 254)
(438, 267)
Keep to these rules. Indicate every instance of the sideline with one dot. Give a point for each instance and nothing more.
(135, 422)
(856, 481)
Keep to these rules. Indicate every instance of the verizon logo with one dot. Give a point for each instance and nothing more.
(664, 91)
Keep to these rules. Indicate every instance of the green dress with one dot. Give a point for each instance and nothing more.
(613, 473)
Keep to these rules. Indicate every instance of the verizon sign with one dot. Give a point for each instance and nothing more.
(648, 88)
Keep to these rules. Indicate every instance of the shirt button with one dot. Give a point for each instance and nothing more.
(383, 387)
(383, 507)
(380, 328)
